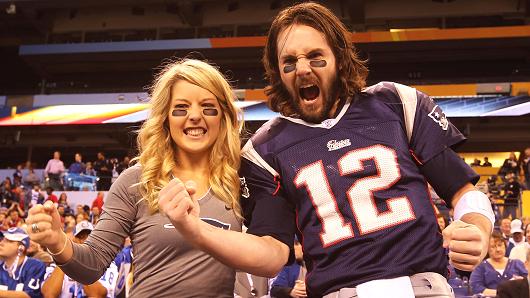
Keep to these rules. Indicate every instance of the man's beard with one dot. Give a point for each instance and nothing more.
(328, 101)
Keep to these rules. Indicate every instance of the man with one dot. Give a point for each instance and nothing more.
(506, 228)
(103, 169)
(519, 252)
(517, 288)
(291, 280)
(20, 276)
(78, 167)
(346, 169)
(57, 284)
(486, 163)
(54, 171)
(517, 238)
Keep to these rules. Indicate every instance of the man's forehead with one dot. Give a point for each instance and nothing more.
(299, 38)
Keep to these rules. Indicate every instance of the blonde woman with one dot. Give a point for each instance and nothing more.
(192, 134)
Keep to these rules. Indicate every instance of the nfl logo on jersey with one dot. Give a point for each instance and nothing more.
(335, 145)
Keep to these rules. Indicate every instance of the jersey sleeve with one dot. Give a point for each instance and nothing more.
(432, 132)
(266, 210)
(34, 278)
(427, 127)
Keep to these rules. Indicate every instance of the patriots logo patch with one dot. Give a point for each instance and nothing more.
(244, 188)
(438, 116)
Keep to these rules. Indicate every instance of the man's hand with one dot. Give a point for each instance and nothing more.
(299, 290)
(176, 202)
(467, 245)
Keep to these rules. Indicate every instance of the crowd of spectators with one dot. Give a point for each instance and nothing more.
(508, 259)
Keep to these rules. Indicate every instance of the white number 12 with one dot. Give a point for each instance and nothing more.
(360, 194)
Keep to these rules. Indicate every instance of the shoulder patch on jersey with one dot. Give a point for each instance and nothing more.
(438, 116)
(245, 193)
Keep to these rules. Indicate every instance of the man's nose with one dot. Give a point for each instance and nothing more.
(302, 67)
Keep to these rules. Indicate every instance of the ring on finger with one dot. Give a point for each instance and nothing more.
(35, 228)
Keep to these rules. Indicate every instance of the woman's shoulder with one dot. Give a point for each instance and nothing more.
(128, 178)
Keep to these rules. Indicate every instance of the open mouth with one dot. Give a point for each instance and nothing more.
(195, 131)
(309, 92)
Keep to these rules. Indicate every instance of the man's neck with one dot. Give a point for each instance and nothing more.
(9, 262)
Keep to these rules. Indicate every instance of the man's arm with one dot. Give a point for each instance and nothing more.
(95, 290)
(468, 239)
(13, 294)
(53, 286)
(262, 256)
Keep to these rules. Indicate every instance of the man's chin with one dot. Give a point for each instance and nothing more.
(312, 117)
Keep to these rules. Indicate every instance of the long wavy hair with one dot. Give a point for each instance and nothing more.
(157, 151)
(352, 71)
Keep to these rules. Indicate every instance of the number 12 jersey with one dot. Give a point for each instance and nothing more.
(351, 187)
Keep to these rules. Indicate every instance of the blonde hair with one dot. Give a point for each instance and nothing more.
(157, 151)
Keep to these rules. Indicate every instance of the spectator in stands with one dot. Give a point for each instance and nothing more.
(36, 196)
(291, 280)
(14, 219)
(95, 213)
(509, 165)
(89, 170)
(516, 288)
(99, 200)
(78, 167)
(124, 164)
(486, 277)
(511, 196)
(475, 163)
(525, 164)
(50, 196)
(81, 216)
(486, 163)
(3, 219)
(63, 201)
(35, 251)
(103, 169)
(69, 223)
(192, 133)
(54, 171)
(519, 252)
(20, 276)
(17, 175)
(57, 284)
(31, 179)
(517, 235)
(6, 193)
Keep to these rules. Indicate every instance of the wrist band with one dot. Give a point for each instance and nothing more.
(474, 202)
(61, 251)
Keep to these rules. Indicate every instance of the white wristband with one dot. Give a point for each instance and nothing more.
(474, 202)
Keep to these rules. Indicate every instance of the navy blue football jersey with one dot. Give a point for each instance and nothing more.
(27, 277)
(351, 187)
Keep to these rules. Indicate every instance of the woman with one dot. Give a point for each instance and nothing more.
(495, 269)
(192, 134)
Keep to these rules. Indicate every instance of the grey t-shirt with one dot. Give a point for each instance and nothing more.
(165, 265)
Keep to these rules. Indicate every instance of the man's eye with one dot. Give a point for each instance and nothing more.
(289, 68)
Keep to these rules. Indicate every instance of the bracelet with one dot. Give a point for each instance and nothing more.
(61, 251)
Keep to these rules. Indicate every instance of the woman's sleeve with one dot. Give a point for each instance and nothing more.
(477, 279)
(91, 259)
